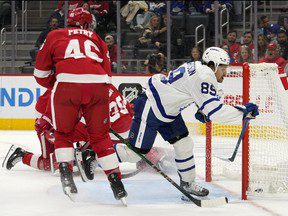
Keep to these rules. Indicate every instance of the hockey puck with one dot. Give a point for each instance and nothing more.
(259, 190)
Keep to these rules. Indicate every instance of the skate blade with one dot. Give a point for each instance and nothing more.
(78, 160)
(9, 153)
(72, 196)
(123, 201)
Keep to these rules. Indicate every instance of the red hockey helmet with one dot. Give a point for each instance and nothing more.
(79, 17)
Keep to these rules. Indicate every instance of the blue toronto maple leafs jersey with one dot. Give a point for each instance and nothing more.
(190, 83)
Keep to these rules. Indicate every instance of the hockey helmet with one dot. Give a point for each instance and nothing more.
(79, 17)
(216, 55)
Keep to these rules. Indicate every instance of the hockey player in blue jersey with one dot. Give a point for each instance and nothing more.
(159, 110)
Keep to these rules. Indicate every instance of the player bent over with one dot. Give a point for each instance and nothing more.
(42, 124)
(80, 86)
(159, 110)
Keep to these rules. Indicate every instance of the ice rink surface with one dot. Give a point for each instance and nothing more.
(25, 191)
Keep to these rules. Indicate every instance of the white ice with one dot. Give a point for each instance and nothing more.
(25, 191)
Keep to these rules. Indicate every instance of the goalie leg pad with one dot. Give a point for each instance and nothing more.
(184, 158)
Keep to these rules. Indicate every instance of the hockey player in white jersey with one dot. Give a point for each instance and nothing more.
(159, 110)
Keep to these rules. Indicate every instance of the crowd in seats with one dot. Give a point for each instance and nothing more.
(272, 44)
(148, 20)
(103, 19)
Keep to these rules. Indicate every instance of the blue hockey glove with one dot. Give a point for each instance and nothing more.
(250, 110)
(200, 116)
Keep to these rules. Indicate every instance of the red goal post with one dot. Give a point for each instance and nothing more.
(261, 84)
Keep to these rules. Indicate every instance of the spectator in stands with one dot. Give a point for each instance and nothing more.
(268, 29)
(147, 37)
(129, 10)
(196, 54)
(71, 4)
(262, 45)
(283, 44)
(283, 23)
(142, 19)
(155, 63)
(178, 7)
(209, 9)
(160, 40)
(226, 48)
(209, 6)
(100, 9)
(238, 9)
(5, 11)
(87, 7)
(194, 7)
(59, 15)
(53, 24)
(248, 40)
(112, 16)
(232, 44)
(112, 47)
(244, 55)
(272, 56)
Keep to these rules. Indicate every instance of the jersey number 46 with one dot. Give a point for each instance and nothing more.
(73, 50)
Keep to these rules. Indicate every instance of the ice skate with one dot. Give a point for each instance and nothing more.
(67, 181)
(194, 188)
(117, 188)
(14, 155)
(86, 164)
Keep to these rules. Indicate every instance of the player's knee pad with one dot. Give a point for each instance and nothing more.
(125, 154)
(184, 158)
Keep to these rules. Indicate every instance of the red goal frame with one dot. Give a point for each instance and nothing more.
(245, 140)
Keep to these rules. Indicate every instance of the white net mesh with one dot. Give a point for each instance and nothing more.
(268, 135)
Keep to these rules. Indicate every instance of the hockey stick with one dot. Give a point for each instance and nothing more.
(198, 202)
(232, 158)
(130, 174)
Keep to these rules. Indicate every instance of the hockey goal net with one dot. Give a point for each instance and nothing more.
(262, 159)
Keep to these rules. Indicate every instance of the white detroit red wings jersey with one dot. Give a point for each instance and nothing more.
(190, 83)
(78, 55)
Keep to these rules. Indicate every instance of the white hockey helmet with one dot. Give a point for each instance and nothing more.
(217, 56)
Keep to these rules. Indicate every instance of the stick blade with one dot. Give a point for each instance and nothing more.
(214, 202)
(225, 159)
(231, 159)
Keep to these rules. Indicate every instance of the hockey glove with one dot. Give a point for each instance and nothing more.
(200, 116)
(42, 124)
(250, 110)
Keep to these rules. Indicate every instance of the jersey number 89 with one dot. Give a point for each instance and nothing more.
(207, 88)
